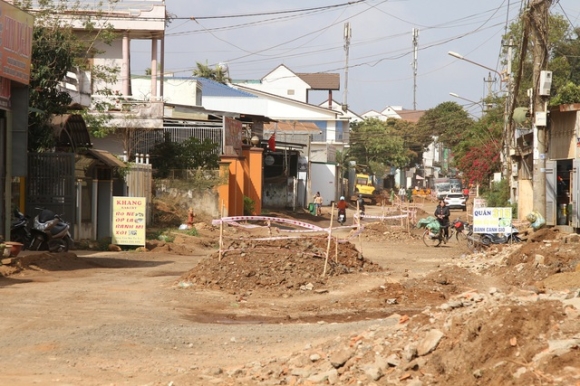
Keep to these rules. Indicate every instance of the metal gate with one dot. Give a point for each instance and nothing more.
(51, 185)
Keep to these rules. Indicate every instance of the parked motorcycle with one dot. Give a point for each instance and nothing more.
(50, 232)
(507, 238)
(341, 216)
(20, 229)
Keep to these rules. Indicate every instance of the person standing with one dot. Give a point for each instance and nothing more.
(442, 213)
(341, 206)
(402, 194)
(318, 203)
(361, 204)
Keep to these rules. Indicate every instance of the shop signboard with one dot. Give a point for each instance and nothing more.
(15, 43)
(129, 220)
(492, 220)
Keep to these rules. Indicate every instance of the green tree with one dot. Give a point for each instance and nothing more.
(51, 59)
(564, 62)
(56, 49)
(219, 74)
(414, 141)
(374, 141)
(189, 154)
(477, 156)
(448, 122)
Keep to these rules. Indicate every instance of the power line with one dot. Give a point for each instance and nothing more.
(274, 13)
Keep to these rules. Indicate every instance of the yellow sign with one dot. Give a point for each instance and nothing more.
(129, 220)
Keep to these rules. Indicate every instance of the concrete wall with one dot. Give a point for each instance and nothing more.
(275, 195)
(202, 201)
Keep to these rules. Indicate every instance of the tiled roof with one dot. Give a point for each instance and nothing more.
(321, 80)
(411, 115)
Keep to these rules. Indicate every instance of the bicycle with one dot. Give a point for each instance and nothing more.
(456, 229)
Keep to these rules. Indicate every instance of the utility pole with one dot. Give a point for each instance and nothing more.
(537, 23)
(414, 64)
(347, 35)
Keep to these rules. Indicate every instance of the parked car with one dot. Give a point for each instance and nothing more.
(456, 201)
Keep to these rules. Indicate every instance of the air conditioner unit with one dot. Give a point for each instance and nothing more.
(545, 83)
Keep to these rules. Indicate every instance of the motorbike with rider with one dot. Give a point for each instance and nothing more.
(341, 206)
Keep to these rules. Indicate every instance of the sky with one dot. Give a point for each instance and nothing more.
(253, 37)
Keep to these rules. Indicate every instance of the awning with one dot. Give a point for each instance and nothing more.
(106, 158)
(419, 177)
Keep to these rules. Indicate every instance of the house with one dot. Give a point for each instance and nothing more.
(396, 112)
(338, 107)
(562, 170)
(15, 51)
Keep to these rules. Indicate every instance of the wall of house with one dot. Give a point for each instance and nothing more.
(525, 195)
(109, 56)
(176, 91)
(282, 82)
(324, 180)
(275, 195)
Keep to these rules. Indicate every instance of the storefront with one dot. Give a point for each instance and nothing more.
(15, 56)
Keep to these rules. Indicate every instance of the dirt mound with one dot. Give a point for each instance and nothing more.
(277, 265)
(45, 262)
(544, 234)
(378, 231)
(528, 265)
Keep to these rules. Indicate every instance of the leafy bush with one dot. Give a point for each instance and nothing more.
(249, 206)
(498, 196)
(569, 93)
(189, 154)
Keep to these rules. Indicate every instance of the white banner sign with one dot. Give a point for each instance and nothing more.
(492, 220)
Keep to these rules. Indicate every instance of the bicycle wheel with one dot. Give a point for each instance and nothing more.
(430, 241)
(461, 237)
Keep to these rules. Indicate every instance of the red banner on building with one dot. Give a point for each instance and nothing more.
(16, 43)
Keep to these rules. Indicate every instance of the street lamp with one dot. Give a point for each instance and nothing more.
(469, 100)
(461, 57)
(506, 127)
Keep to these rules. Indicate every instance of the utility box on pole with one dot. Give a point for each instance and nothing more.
(545, 83)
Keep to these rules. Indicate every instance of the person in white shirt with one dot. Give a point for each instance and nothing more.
(402, 194)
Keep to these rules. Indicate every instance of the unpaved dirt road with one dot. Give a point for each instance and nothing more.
(129, 318)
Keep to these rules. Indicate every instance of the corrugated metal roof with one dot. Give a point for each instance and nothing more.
(106, 158)
(70, 130)
(211, 88)
(321, 80)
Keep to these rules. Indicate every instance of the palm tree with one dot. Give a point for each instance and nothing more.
(218, 74)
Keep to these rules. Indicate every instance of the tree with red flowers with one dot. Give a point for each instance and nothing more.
(478, 155)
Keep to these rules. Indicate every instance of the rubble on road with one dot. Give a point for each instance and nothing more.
(277, 265)
(474, 338)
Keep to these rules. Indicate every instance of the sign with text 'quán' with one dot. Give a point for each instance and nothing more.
(492, 220)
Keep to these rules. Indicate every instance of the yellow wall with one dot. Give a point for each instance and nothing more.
(525, 198)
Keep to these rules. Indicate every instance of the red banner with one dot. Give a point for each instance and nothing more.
(16, 43)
